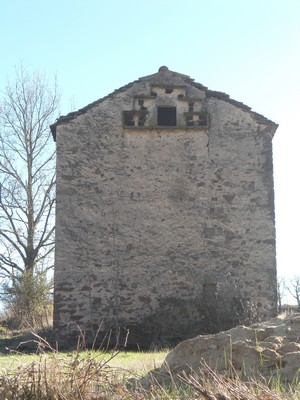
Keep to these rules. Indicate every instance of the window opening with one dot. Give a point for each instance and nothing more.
(142, 120)
(195, 119)
(191, 106)
(166, 116)
(190, 122)
(128, 119)
(168, 90)
(142, 106)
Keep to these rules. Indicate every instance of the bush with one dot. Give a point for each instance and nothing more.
(27, 302)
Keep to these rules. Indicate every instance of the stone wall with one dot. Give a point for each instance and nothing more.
(168, 231)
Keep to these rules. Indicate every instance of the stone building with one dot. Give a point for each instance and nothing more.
(165, 213)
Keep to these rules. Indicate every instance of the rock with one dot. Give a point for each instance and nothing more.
(268, 348)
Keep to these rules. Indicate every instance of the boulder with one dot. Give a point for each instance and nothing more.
(268, 348)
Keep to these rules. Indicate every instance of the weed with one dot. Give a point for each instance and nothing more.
(96, 375)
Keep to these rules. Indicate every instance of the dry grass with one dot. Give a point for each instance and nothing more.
(109, 376)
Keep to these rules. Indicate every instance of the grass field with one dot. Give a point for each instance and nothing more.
(95, 375)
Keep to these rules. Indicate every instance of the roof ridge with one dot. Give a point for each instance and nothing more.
(163, 70)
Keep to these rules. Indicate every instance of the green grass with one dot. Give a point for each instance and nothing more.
(96, 375)
(103, 376)
(12, 362)
(135, 362)
(139, 362)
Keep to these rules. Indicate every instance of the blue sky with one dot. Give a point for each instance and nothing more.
(248, 49)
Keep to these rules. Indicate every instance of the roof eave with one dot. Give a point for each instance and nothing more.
(210, 93)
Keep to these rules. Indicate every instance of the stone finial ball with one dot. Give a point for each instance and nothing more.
(163, 68)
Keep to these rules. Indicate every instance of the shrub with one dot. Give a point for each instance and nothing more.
(27, 302)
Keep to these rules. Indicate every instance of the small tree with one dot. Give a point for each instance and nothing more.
(294, 289)
(28, 301)
(281, 289)
(27, 180)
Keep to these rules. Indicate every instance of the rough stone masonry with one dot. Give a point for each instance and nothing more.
(165, 213)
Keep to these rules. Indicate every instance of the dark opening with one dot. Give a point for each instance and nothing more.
(128, 119)
(142, 120)
(166, 116)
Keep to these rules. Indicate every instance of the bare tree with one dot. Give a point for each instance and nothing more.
(281, 289)
(27, 176)
(294, 289)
